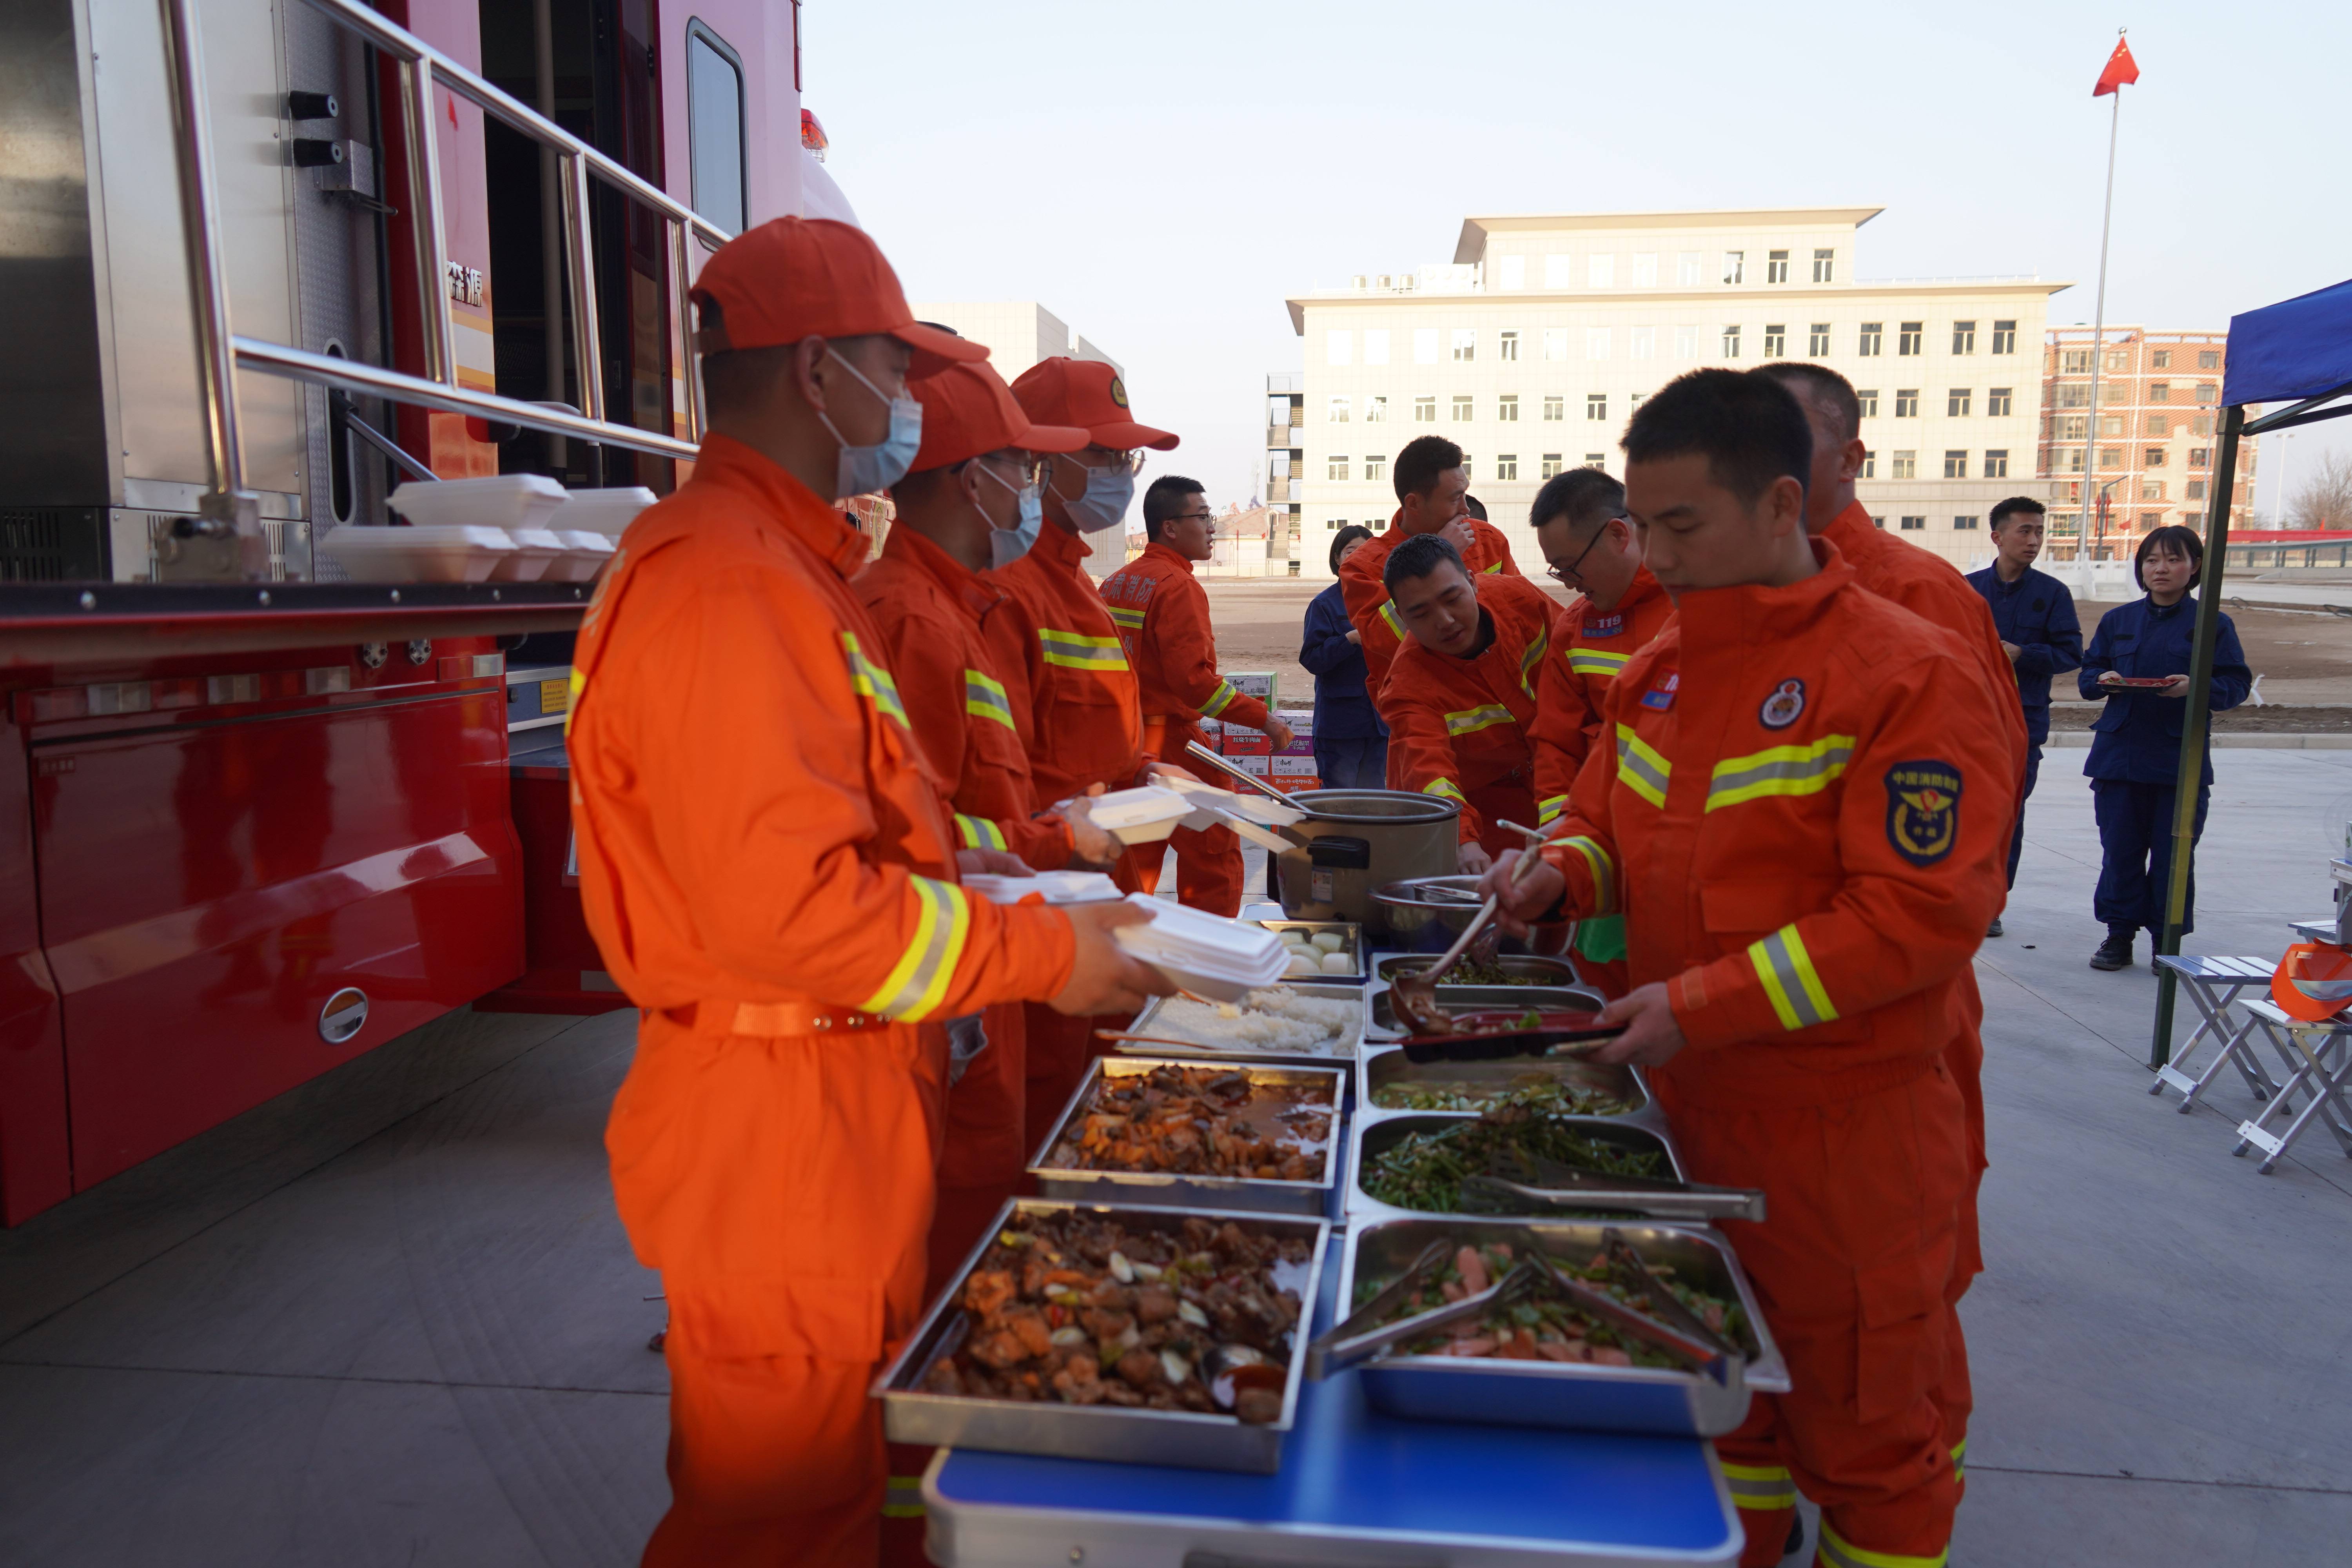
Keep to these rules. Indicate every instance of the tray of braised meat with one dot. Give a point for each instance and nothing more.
(1195, 1134)
(1147, 1336)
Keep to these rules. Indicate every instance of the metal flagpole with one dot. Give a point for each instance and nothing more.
(2099, 323)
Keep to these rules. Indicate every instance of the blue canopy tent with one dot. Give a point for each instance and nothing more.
(2298, 352)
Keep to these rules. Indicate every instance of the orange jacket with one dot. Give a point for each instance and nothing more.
(1162, 614)
(1087, 727)
(1577, 676)
(756, 825)
(1380, 631)
(1460, 726)
(1804, 819)
(931, 611)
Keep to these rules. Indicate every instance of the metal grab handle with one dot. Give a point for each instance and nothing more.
(1206, 755)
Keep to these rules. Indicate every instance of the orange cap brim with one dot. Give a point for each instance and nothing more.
(1127, 433)
(934, 350)
(1050, 438)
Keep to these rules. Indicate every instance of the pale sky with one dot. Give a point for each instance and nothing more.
(1161, 175)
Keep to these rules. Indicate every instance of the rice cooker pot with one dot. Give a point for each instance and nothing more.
(1367, 838)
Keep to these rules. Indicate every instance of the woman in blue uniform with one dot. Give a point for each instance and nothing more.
(1351, 744)
(2136, 744)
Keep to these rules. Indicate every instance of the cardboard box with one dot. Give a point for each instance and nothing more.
(1292, 766)
(1213, 735)
(1302, 731)
(1257, 683)
(1240, 742)
(1291, 784)
(1254, 764)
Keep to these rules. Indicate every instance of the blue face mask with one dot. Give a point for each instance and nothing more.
(1006, 545)
(865, 469)
(1105, 503)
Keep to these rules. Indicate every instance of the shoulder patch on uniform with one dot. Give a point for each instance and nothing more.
(1605, 626)
(1780, 710)
(1923, 809)
(1662, 696)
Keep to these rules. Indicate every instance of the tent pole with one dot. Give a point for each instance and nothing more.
(2190, 774)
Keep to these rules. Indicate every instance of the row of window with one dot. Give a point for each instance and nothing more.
(2069, 459)
(2077, 394)
(2077, 362)
(1902, 465)
(2076, 426)
(1429, 343)
(1690, 269)
(1960, 403)
(1914, 524)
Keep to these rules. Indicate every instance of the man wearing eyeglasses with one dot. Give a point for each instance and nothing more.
(1163, 620)
(1580, 525)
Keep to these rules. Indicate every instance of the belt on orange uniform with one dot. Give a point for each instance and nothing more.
(773, 1019)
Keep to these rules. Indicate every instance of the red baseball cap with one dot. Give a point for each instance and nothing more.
(1089, 393)
(968, 411)
(794, 278)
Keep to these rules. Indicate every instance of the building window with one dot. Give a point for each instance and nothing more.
(2074, 394)
(1879, 523)
(1868, 398)
(1339, 347)
(2116, 392)
(2074, 362)
(2151, 489)
(2159, 392)
(2206, 391)
(2070, 461)
(1425, 345)
(2200, 457)
(1601, 271)
(1596, 342)
(1376, 410)
(1551, 465)
(1466, 343)
(1336, 524)
(1469, 468)
(2111, 424)
(2073, 427)
(2160, 360)
(1996, 463)
(1776, 341)
(1817, 341)
(2202, 425)
(1506, 407)
(1914, 524)
(1824, 266)
(2208, 359)
(2150, 521)
(1515, 272)
(2004, 337)
(1964, 337)
(1731, 342)
(1911, 335)
(1596, 405)
(1555, 342)
(714, 127)
(1874, 334)
(1689, 267)
(2196, 489)
(1906, 402)
(1956, 401)
(1336, 468)
(1507, 466)
(1869, 468)
(2111, 457)
(1461, 408)
(2157, 424)
(1376, 345)
(1968, 522)
(2118, 361)
(1555, 405)
(1507, 346)
(1555, 271)
(1735, 267)
(1686, 342)
(1339, 414)
(1907, 467)
(1776, 267)
(2152, 458)
(1595, 459)
(1641, 342)
(1996, 402)
(1645, 269)
(1376, 468)
(1424, 410)
(1956, 465)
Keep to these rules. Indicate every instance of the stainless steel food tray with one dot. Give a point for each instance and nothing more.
(1552, 971)
(1657, 1399)
(1341, 1055)
(1371, 1137)
(1180, 1437)
(1383, 1067)
(1163, 1188)
(1353, 944)
(1569, 995)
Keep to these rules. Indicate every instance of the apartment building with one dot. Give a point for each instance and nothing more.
(1534, 345)
(1285, 461)
(2160, 399)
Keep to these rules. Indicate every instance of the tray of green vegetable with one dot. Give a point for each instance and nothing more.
(1418, 1161)
(1391, 1083)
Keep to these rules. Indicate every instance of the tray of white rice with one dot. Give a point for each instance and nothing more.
(1315, 1025)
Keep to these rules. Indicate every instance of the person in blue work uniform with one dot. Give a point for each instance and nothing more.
(2136, 744)
(2035, 616)
(1351, 743)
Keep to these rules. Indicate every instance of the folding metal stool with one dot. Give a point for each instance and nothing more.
(2212, 984)
(2319, 1061)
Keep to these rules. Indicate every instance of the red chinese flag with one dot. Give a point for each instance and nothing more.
(2122, 70)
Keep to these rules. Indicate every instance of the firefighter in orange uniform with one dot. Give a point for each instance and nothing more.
(1580, 526)
(971, 482)
(1461, 701)
(1430, 485)
(1932, 589)
(1163, 613)
(1803, 817)
(771, 875)
(1086, 723)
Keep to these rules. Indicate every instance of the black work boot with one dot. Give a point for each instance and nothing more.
(2115, 952)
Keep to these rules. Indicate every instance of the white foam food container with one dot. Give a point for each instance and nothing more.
(606, 511)
(1139, 816)
(439, 554)
(535, 549)
(493, 501)
(1203, 953)
(584, 555)
(1054, 887)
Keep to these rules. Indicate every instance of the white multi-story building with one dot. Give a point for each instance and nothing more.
(1532, 348)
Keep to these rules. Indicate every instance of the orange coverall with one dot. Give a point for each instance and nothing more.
(931, 611)
(769, 876)
(1803, 817)
(1162, 614)
(1460, 728)
(1377, 630)
(1576, 678)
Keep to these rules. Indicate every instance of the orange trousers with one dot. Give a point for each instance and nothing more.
(784, 1187)
(1852, 1269)
(1208, 868)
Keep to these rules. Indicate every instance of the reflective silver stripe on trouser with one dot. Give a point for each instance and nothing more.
(1759, 1487)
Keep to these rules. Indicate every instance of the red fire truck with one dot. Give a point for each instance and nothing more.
(260, 261)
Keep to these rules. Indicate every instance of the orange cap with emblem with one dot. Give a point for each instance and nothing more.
(1086, 392)
(796, 278)
(968, 410)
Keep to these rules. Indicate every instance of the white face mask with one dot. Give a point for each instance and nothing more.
(1104, 505)
(865, 469)
(1007, 545)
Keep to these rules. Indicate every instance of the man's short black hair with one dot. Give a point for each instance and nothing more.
(1748, 426)
(1822, 384)
(1166, 496)
(1418, 557)
(1474, 507)
(2012, 506)
(1424, 457)
(1585, 498)
(1344, 538)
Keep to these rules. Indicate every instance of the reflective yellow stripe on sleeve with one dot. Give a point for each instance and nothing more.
(1960, 1460)
(979, 833)
(1789, 980)
(1592, 661)
(919, 981)
(1550, 807)
(873, 682)
(1641, 768)
(902, 1498)
(1470, 720)
(577, 683)
(985, 698)
(1779, 770)
(1485, 570)
(1597, 860)
(1532, 661)
(1444, 789)
(1396, 624)
(1129, 616)
(1220, 700)
(1839, 1553)
(1075, 650)
(1759, 1486)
